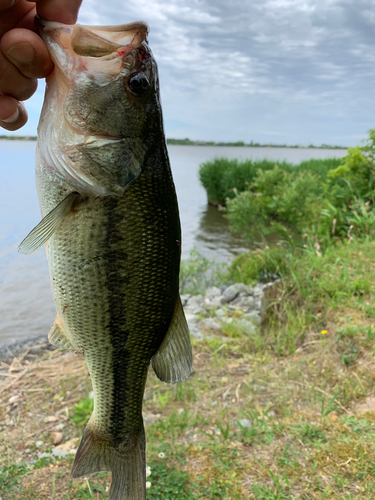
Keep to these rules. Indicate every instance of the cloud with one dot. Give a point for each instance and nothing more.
(245, 69)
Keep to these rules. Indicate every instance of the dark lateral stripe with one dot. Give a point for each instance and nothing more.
(116, 258)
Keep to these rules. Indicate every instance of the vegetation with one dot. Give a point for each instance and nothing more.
(337, 206)
(248, 423)
(281, 412)
(224, 179)
(252, 144)
(12, 137)
(199, 273)
(188, 142)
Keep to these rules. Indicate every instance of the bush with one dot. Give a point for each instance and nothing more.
(314, 201)
(222, 177)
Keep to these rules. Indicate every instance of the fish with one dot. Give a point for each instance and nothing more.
(111, 226)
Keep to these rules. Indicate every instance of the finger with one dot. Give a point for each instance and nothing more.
(20, 15)
(13, 83)
(62, 11)
(13, 114)
(27, 51)
(6, 4)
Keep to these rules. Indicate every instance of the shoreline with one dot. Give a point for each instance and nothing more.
(183, 142)
(31, 347)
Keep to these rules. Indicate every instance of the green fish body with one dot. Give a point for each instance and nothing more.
(112, 231)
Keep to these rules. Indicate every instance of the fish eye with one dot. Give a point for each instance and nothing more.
(138, 83)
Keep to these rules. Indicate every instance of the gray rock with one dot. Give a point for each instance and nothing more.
(56, 452)
(220, 312)
(212, 293)
(211, 323)
(216, 302)
(226, 320)
(194, 301)
(191, 318)
(243, 303)
(258, 290)
(195, 332)
(233, 291)
(185, 298)
(247, 326)
(195, 304)
(253, 316)
(244, 422)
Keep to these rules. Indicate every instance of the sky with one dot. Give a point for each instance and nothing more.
(269, 71)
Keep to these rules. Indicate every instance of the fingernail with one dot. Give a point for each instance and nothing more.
(12, 118)
(21, 53)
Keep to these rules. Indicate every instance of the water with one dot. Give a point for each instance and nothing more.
(26, 306)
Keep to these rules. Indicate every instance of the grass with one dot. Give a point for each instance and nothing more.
(198, 273)
(317, 291)
(222, 177)
(284, 412)
(249, 423)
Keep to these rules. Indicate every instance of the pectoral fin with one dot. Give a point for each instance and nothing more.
(48, 225)
(58, 336)
(173, 361)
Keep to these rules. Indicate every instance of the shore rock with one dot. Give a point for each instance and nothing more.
(238, 302)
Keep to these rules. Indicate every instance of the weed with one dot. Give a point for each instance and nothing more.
(168, 483)
(326, 410)
(161, 399)
(198, 273)
(224, 431)
(83, 411)
(10, 476)
(349, 356)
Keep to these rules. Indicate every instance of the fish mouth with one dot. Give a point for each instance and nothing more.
(84, 48)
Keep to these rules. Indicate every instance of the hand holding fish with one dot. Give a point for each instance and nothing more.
(23, 54)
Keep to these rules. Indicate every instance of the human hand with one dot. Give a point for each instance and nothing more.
(23, 54)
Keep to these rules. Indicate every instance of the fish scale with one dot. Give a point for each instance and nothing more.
(112, 230)
(97, 258)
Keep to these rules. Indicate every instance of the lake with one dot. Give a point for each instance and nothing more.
(26, 306)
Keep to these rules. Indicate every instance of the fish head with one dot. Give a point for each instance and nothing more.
(102, 103)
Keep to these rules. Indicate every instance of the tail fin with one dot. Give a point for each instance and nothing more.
(127, 463)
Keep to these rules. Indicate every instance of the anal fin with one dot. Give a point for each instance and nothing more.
(173, 361)
(58, 336)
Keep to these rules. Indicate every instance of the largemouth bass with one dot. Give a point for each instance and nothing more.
(111, 225)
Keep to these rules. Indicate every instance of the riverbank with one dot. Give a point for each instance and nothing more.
(188, 142)
(248, 423)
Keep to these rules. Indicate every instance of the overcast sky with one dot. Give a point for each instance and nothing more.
(271, 71)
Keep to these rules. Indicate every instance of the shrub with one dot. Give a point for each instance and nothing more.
(281, 202)
(318, 201)
(222, 177)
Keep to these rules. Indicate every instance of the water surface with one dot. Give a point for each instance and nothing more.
(26, 306)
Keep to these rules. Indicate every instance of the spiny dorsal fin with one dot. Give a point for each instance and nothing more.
(48, 225)
(173, 361)
(58, 336)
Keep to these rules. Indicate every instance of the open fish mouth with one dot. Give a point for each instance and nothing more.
(96, 105)
(97, 49)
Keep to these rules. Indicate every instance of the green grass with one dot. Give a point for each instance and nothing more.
(313, 290)
(281, 413)
(222, 177)
(199, 273)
